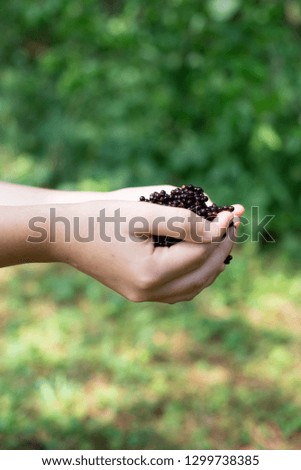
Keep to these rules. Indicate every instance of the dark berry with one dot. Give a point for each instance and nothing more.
(190, 197)
(228, 259)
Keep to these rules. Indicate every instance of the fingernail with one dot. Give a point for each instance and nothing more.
(236, 222)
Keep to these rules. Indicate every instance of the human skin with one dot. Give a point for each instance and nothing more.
(133, 267)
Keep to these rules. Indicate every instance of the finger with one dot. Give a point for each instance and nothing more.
(181, 258)
(190, 284)
(185, 288)
(238, 210)
(218, 228)
(183, 224)
(219, 255)
(188, 296)
(187, 293)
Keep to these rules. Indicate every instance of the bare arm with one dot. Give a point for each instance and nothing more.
(19, 195)
(14, 231)
(121, 259)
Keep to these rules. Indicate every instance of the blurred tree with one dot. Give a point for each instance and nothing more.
(138, 92)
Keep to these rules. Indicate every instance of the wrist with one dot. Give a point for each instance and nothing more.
(51, 231)
(57, 196)
(65, 227)
(23, 235)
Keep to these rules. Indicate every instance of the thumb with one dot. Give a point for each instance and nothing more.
(184, 224)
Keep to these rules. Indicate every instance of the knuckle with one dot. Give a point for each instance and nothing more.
(197, 285)
(134, 297)
(210, 282)
(141, 286)
(198, 291)
(137, 296)
(209, 235)
(189, 297)
(146, 282)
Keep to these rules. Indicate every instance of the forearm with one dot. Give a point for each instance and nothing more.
(15, 247)
(19, 195)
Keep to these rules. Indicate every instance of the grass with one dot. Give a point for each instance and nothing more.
(81, 368)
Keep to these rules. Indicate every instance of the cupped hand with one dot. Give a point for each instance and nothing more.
(119, 251)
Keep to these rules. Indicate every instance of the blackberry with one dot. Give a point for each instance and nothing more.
(189, 197)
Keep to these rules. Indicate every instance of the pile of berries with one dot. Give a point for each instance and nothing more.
(187, 197)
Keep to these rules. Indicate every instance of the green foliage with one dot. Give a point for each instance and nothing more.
(99, 94)
(142, 92)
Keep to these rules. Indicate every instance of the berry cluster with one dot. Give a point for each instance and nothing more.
(187, 197)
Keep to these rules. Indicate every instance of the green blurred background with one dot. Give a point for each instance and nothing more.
(101, 94)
